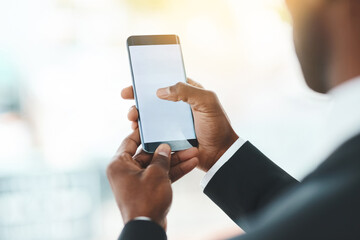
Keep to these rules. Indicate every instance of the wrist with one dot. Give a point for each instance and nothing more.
(227, 144)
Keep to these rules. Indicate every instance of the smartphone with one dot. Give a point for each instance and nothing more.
(156, 61)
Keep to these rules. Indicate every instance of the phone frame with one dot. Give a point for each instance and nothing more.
(158, 40)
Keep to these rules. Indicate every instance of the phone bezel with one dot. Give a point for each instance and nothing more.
(158, 40)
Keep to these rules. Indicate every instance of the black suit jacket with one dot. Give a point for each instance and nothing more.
(271, 205)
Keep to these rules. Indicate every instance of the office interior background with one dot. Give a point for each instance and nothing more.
(63, 64)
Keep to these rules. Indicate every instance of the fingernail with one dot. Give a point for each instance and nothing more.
(163, 92)
(131, 108)
(164, 150)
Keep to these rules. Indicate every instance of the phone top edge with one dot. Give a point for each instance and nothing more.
(129, 41)
(137, 40)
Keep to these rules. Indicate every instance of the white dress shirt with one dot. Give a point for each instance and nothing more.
(343, 122)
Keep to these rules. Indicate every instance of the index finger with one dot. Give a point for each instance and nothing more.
(188, 93)
(127, 93)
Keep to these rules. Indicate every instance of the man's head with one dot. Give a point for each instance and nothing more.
(327, 40)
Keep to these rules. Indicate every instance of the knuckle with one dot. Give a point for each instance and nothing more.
(112, 169)
(211, 93)
(115, 166)
(211, 96)
(174, 159)
(179, 84)
(155, 171)
(180, 171)
(181, 91)
(179, 87)
(176, 173)
(122, 155)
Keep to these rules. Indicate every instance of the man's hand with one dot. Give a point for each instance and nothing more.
(213, 129)
(142, 182)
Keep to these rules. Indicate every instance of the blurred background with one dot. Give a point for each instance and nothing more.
(63, 64)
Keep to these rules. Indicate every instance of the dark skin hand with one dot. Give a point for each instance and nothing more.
(212, 126)
(147, 178)
(142, 182)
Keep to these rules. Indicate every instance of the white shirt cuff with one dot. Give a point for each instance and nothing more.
(222, 160)
(143, 218)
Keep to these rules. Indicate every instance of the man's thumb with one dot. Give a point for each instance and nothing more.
(161, 157)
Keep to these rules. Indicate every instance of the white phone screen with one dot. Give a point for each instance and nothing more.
(154, 67)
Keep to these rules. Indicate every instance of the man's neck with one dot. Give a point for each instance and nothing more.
(343, 70)
(345, 54)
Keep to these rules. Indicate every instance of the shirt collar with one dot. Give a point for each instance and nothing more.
(344, 114)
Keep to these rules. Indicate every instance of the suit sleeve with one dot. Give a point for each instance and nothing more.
(142, 229)
(324, 206)
(246, 183)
